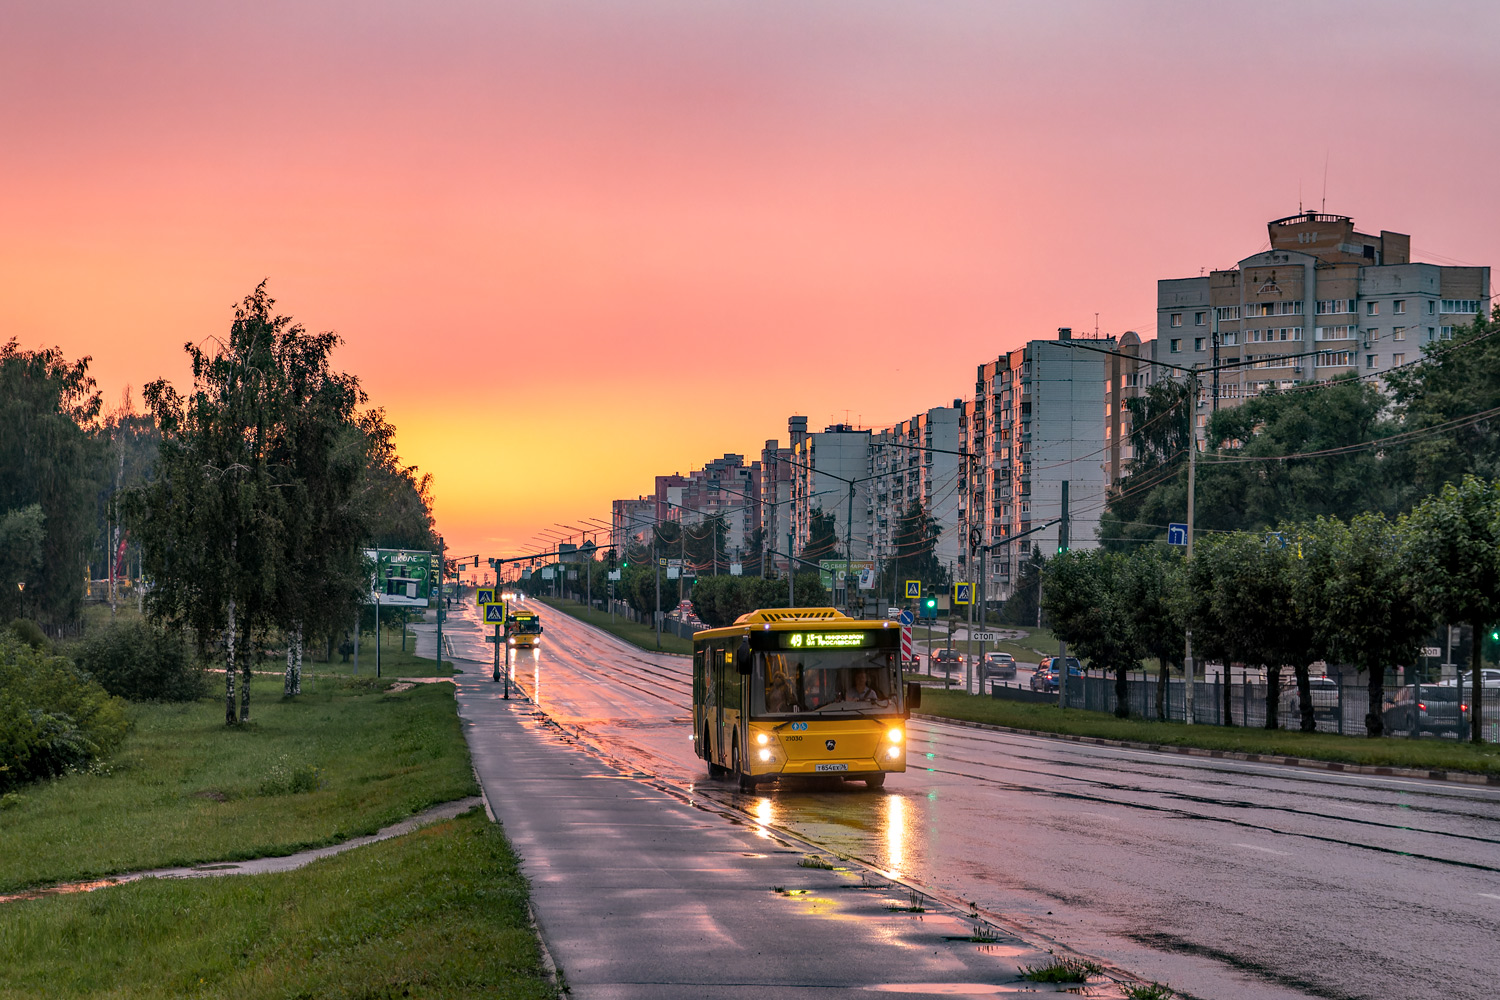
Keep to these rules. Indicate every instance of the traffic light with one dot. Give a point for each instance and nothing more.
(609, 559)
(929, 607)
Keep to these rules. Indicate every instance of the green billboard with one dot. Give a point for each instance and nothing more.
(401, 578)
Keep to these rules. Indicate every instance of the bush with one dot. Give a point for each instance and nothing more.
(53, 717)
(29, 632)
(142, 662)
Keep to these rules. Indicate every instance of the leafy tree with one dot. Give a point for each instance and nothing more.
(48, 460)
(1454, 379)
(23, 536)
(318, 455)
(1151, 588)
(1455, 547)
(915, 540)
(1302, 638)
(395, 500)
(1158, 442)
(1084, 594)
(822, 537)
(259, 434)
(1025, 597)
(1377, 613)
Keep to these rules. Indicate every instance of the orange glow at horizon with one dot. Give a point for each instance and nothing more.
(571, 247)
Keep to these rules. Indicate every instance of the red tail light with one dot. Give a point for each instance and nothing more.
(1422, 705)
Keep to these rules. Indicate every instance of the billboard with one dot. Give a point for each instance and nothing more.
(834, 570)
(401, 578)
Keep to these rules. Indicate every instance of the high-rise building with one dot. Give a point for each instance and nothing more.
(775, 474)
(1036, 423)
(1323, 300)
(917, 462)
(827, 466)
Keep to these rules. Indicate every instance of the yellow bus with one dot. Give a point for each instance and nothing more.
(801, 691)
(523, 629)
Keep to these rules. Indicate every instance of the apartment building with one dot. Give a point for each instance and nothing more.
(917, 461)
(1324, 300)
(775, 474)
(631, 520)
(1037, 421)
(825, 466)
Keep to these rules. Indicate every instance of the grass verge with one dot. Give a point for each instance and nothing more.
(643, 636)
(394, 661)
(437, 913)
(1425, 754)
(344, 759)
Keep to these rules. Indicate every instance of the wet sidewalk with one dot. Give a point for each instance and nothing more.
(642, 893)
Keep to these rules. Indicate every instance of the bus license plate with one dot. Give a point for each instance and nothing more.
(830, 767)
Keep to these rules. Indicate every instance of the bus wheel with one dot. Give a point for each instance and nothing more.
(714, 770)
(875, 781)
(747, 782)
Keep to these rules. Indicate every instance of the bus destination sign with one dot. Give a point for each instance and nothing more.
(827, 640)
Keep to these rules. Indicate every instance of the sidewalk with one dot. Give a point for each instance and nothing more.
(640, 894)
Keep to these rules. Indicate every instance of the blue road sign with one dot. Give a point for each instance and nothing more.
(963, 593)
(913, 589)
(494, 614)
(1176, 534)
(906, 618)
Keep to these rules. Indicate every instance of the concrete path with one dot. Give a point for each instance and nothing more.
(260, 866)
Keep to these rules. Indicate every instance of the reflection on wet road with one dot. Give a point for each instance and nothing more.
(1223, 878)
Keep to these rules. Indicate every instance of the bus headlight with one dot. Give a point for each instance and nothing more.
(762, 739)
(765, 756)
(894, 736)
(893, 753)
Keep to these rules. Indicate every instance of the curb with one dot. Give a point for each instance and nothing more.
(1455, 777)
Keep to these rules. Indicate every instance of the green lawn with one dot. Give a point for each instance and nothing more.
(437, 913)
(1390, 751)
(643, 636)
(393, 661)
(184, 789)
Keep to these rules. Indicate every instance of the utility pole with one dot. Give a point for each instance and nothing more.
(656, 559)
(1062, 645)
(791, 574)
(441, 561)
(1188, 669)
(849, 553)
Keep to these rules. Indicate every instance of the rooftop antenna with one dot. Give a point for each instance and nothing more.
(1299, 196)
(1325, 182)
(1096, 326)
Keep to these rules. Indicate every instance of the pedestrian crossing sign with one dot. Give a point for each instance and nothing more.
(963, 593)
(494, 614)
(484, 595)
(914, 589)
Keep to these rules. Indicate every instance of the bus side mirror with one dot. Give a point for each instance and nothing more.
(913, 695)
(743, 661)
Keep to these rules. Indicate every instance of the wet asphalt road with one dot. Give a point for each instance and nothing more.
(1222, 878)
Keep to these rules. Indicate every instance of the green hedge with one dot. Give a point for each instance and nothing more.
(53, 717)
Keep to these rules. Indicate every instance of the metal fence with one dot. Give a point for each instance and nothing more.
(1242, 702)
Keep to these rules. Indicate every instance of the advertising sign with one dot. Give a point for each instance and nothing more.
(831, 570)
(400, 578)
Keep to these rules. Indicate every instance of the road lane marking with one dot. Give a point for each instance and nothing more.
(1252, 847)
(1489, 895)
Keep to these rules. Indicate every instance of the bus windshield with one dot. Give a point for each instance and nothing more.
(825, 682)
(525, 624)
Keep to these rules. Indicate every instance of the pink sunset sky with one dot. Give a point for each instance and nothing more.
(574, 245)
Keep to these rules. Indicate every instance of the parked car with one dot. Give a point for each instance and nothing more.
(1325, 697)
(946, 661)
(894, 611)
(999, 665)
(1489, 678)
(1045, 676)
(1427, 708)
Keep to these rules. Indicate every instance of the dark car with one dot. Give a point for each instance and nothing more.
(946, 661)
(1428, 708)
(1045, 676)
(999, 665)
